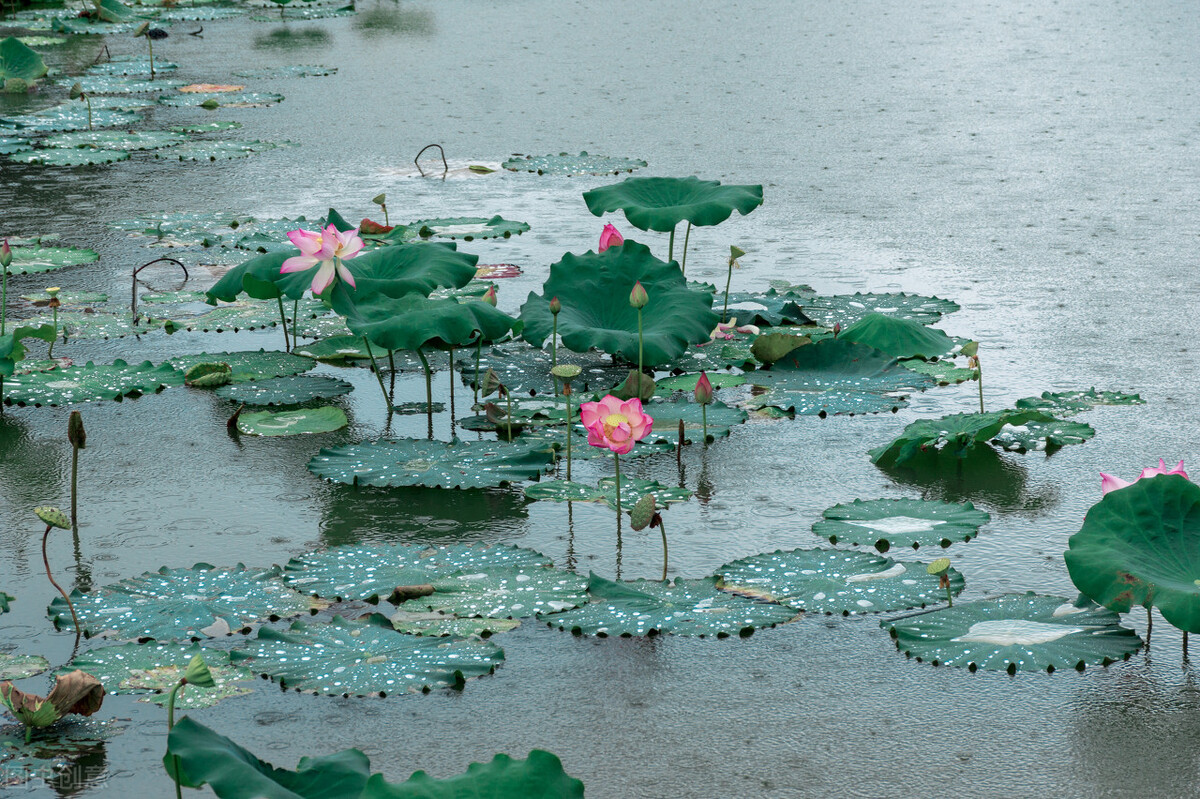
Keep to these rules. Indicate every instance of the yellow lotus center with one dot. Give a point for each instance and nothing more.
(615, 419)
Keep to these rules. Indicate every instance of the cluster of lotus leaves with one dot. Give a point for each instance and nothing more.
(957, 433)
(151, 669)
(415, 321)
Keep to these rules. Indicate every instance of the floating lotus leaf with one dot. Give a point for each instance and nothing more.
(285, 390)
(943, 371)
(497, 271)
(666, 416)
(204, 757)
(440, 625)
(594, 292)
(414, 321)
(207, 127)
(88, 157)
(885, 523)
(29, 260)
(208, 375)
(632, 489)
(183, 603)
(67, 298)
(249, 366)
(374, 572)
(19, 60)
(339, 348)
(687, 382)
(555, 438)
(93, 85)
(18, 667)
(216, 150)
(1067, 403)
(89, 383)
(682, 607)
(1042, 436)
(662, 203)
(42, 41)
(956, 433)
(88, 324)
(185, 229)
(292, 423)
(510, 593)
(11, 145)
(295, 71)
(238, 316)
(468, 228)
(270, 235)
(195, 14)
(833, 581)
(1140, 545)
(826, 403)
(222, 99)
(156, 667)
(314, 12)
(526, 413)
(1015, 632)
(770, 308)
(525, 370)
(366, 657)
(839, 365)
(566, 164)
(899, 338)
(327, 326)
(846, 309)
(72, 116)
(716, 356)
(96, 26)
(437, 464)
(115, 139)
(131, 65)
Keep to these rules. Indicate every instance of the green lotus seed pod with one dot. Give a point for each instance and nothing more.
(939, 566)
(566, 371)
(53, 517)
(75, 432)
(642, 513)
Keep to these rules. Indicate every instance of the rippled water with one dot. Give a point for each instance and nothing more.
(1035, 162)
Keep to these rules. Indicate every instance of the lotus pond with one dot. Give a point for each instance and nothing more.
(1014, 181)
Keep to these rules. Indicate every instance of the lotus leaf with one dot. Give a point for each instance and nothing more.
(515, 592)
(497, 271)
(339, 348)
(667, 415)
(195, 14)
(67, 298)
(1042, 436)
(837, 365)
(833, 581)
(662, 203)
(632, 489)
(414, 321)
(155, 668)
(717, 355)
(207, 127)
(846, 309)
(440, 625)
(90, 325)
(223, 99)
(374, 572)
(555, 438)
(208, 375)
(366, 657)
(18, 667)
(328, 326)
(72, 116)
(295, 71)
(241, 315)
(94, 85)
(292, 423)
(183, 603)
(681, 607)
(565, 164)
(34, 259)
(769, 309)
(437, 464)
(18, 60)
(89, 157)
(286, 390)
(944, 371)
(4, 600)
(899, 338)
(826, 403)
(89, 383)
(216, 149)
(12, 349)
(249, 366)
(72, 744)
(1067, 403)
(185, 229)
(1015, 632)
(10, 145)
(770, 347)
(594, 292)
(526, 370)
(467, 228)
(687, 382)
(131, 65)
(956, 433)
(884, 523)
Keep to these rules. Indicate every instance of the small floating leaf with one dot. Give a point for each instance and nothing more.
(1067, 403)
(887, 523)
(563, 164)
(286, 390)
(292, 423)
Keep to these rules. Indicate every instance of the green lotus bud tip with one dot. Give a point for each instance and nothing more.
(142, 29)
(210, 104)
(53, 517)
(642, 513)
(939, 566)
(638, 298)
(75, 432)
(198, 674)
(555, 306)
(566, 371)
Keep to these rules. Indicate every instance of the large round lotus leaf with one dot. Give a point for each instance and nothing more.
(19, 60)
(662, 203)
(667, 415)
(769, 309)
(1042, 436)
(94, 85)
(156, 667)
(440, 625)
(72, 116)
(270, 235)
(556, 438)
(292, 423)
(826, 403)
(1015, 632)
(366, 657)
(1067, 403)
(238, 316)
(846, 309)
(837, 364)
(216, 150)
(682, 607)
(632, 489)
(565, 164)
(91, 325)
(207, 127)
(525, 370)
(294, 71)
(899, 338)
(88, 157)
(261, 279)
(176, 229)
(414, 321)
(182, 603)
(594, 292)
(18, 667)
(468, 228)
(89, 383)
(1140, 545)
(339, 348)
(687, 382)
(375, 572)
(511, 593)
(285, 390)
(223, 99)
(29, 260)
(956, 433)
(326, 326)
(717, 355)
(835, 581)
(886, 523)
(249, 366)
(131, 65)
(944, 371)
(436, 464)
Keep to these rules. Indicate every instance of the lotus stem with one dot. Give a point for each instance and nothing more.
(1185, 643)
(287, 347)
(150, 44)
(979, 370)
(50, 350)
(570, 426)
(53, 582)
(428, 389)
(704, 421)
(686, 236)
(387, 403)
(478, 353)
(295, 316)
(391, 375)
(662, 529)
(74, 486)
(554, 349)
(171, 726)
(452, 376)
(508, 404)
(1149, 626)
(617, 463)
(3, 298)
(89, 105)
(728, 281)
(671, 247)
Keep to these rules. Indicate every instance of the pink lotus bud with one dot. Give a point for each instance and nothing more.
(489, 296)
(837, 328)
(555, 306)
(5, 254)
(704, 389)
(610, 237)
(638, 298)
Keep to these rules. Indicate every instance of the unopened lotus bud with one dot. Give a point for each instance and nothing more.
(489, 296)
(555, 306)
(610, 237)
(75, 432)
(704, 389)
(638, 298)
(5, 254)
(837, 328)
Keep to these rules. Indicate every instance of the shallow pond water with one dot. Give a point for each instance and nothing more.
(1034, 162)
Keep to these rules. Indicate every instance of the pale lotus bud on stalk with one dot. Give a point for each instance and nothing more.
(704, 395)
(489, 296)
(639, 299)
(555, 310)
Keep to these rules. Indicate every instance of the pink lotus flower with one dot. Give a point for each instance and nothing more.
(1110, 483)
(725, 330)
(704, 389)
(329, 248)
(610, 237)
(615, 424)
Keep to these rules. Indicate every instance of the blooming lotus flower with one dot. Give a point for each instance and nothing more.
(1110, 483)
(615, 424)
(328, 248)
(610, 237)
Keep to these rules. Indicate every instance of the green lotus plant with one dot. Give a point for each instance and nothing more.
(971, 350)
(78, 438)
(199, 675)
(492, 385)
(77, 93)
(5, 262)
(381, 201)
(644, 514)
(12, 350)
(144, 30)
(555, 310)
(734, 254)
(567, 373)
(704, 396)
(53, 517)
(54, 304)
(941, 567)
(76, 692)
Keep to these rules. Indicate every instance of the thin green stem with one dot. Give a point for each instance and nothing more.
(50, 351)
(570, 430)
(671, 247)
(508, 403)
(704, 421)
(662, 529)
(385, 216)
(728, 280)
(640, 372)
(387, 403)
(287, 346)
(979, 369)
(150, 44)
(295, 316)
(3, 298)
(171, 726)
(428, 389)
(452, 380)
(554, 351)
(391, 375)
(478, 353)
(49, 576)
(89, 105)
(74, 485)
(949, 595)
(617, 463)
(686, 236)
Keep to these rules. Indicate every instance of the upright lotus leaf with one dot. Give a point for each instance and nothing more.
(415, 321)
(437, 464)
(375, 572)
(1042, 436)
(304, 421)
(18, 60)
(285, 390)
(566, 164)
(18, 667)
(261, 279)
(594, 292)
(662, 203)
(835, 581)
(183, 603)
(682, 607)
(1066, 403)
(89, 383)
(834, 364)
(846, 309)
(365, 657)
(770, 347)
(899, 338)
(12, 350)
(409, 269)
(885, 523)
(248, 366)
(515, 592)
(1015, 632)
(1140, 545)
(956, 433)
(150, 670)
